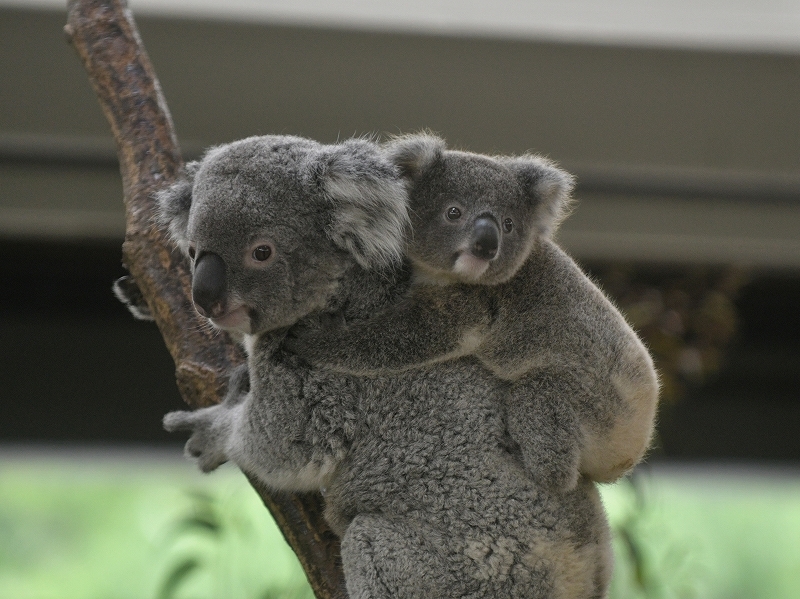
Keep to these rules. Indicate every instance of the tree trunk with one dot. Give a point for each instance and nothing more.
(104, 34)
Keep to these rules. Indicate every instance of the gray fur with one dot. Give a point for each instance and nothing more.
(415, 154)
(173, 203)
(420, 478)
(583, 390)
(287, 191)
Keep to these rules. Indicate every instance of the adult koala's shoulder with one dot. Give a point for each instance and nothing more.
(421, 483)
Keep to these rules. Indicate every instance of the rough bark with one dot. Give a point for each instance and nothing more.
(105, 37)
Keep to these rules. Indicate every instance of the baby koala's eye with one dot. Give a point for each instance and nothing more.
(453, 213)
(192, 252)
(508, 225)
(262, 253)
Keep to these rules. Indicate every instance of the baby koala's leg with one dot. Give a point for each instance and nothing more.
(435, 324)
(612, 450)
(541, 419)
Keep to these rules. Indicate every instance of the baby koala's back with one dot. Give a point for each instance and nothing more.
(550, 314)
(551, 317)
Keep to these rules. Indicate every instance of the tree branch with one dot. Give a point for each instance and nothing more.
(105, 37)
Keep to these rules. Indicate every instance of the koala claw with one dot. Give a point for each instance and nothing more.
(179, 421)
(206, 444)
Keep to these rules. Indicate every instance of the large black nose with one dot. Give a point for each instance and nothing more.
(209, 284)
(485, 238)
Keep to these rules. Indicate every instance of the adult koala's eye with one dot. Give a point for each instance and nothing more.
(508, 225)
(262, 253)
(192, 252)
(453, 213)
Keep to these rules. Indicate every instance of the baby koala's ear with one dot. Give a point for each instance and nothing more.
(547, 187)
(370, 202)
(174, 202)
(414, 154)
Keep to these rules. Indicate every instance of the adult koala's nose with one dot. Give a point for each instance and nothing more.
(485, 237)
(209, 284)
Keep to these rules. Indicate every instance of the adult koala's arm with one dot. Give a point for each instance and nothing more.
(280, 422)
(434, 324)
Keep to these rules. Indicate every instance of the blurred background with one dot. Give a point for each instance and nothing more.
(680, 119)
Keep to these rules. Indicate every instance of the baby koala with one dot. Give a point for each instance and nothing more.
(490, 283)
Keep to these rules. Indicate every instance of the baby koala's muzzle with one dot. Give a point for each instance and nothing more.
(485, 238)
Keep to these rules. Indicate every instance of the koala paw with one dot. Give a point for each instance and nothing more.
(206, 445)
(128, 292)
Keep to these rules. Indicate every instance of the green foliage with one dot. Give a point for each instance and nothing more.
(215, 548)
(89, 527)
(652, 562)
(706, 533)
(92, 527)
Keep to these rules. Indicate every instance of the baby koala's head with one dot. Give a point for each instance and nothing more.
(475, 218)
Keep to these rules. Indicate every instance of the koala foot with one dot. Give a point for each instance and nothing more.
(210, 430)
(553, 461)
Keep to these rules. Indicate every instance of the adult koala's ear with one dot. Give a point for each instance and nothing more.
(547, 187)
(414, 154)
(370, 215)
(173, 204)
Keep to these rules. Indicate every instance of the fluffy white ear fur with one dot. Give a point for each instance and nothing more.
(548, 187)
(173, 204)
(413, 154)
(370, 217)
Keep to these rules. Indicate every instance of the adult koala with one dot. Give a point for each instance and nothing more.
(421, 480)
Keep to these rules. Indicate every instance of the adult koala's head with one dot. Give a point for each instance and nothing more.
(271, 223)
(476, 218)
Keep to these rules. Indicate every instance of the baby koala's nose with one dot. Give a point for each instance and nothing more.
(485, 238)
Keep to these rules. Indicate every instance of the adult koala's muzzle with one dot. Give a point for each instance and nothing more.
(485, 237)
(209, 284)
